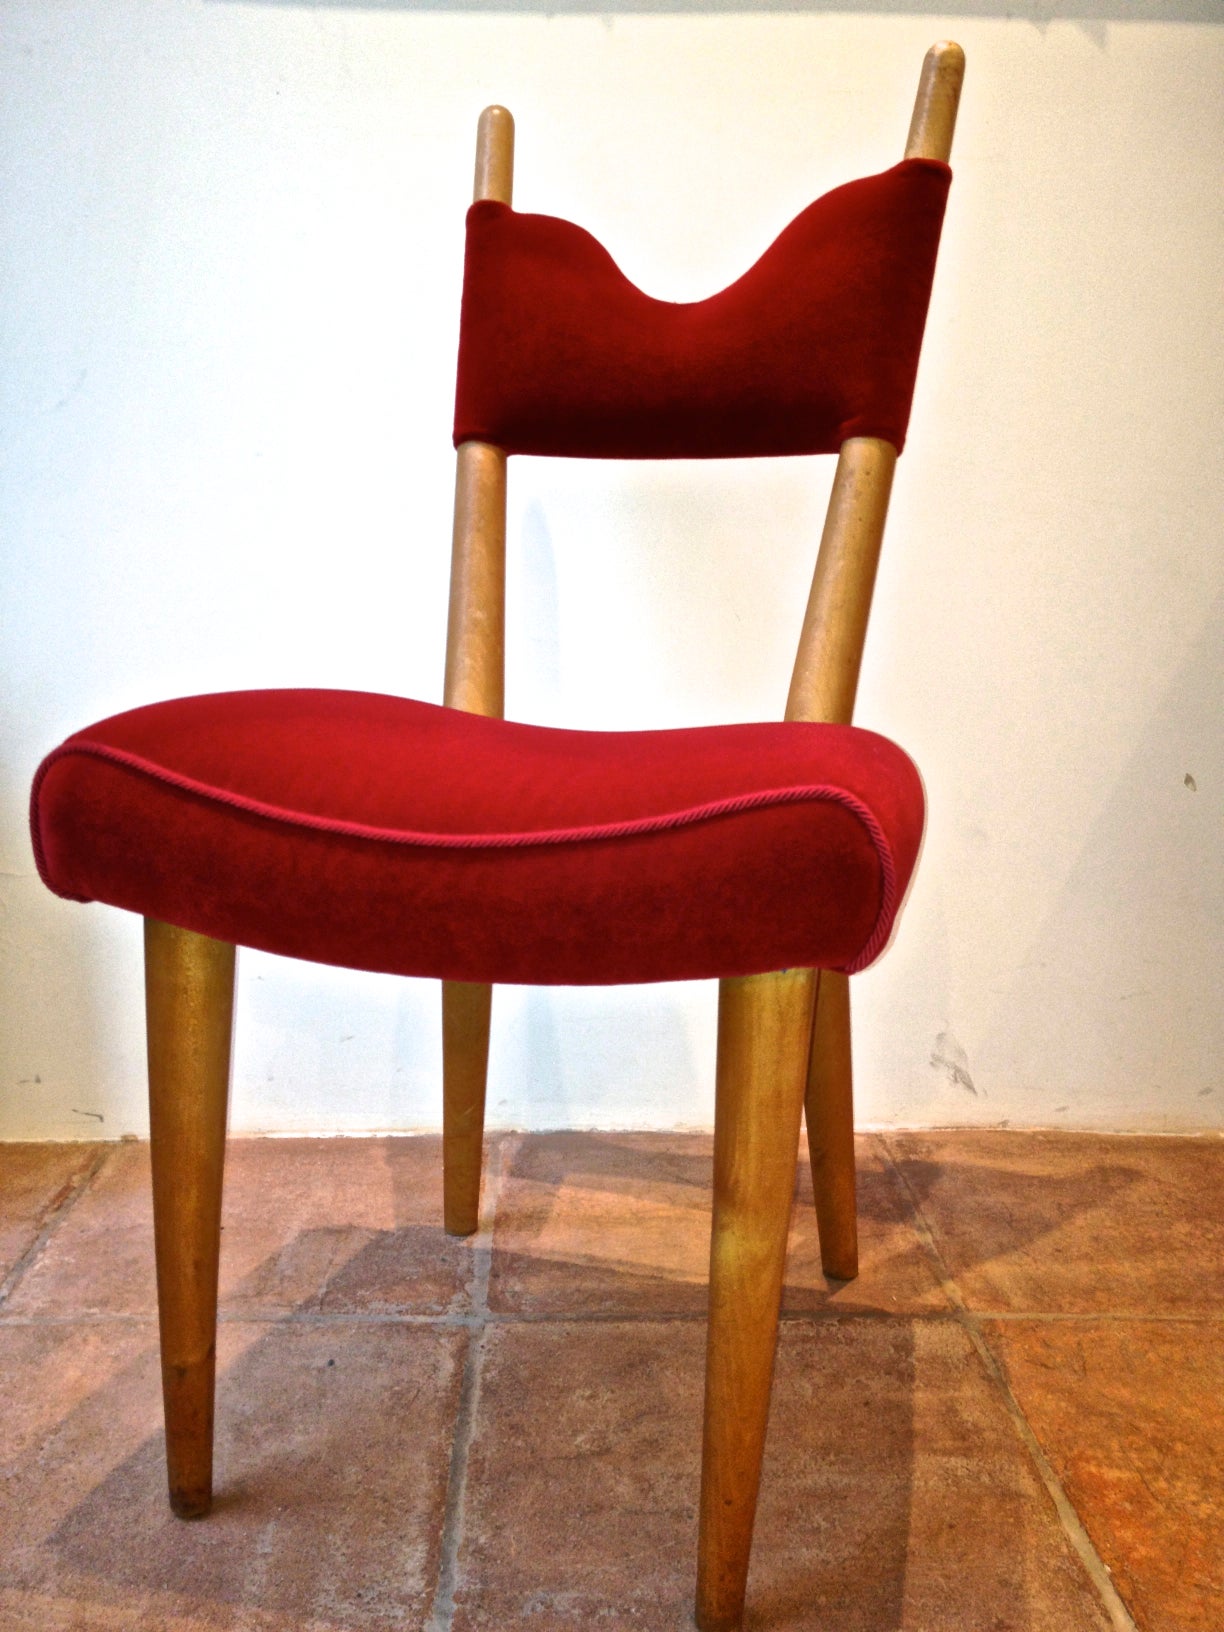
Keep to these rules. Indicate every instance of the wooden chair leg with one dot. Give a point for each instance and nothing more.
(764, 1029)
(189, 1003)
(466, 1011)
(829, 1110)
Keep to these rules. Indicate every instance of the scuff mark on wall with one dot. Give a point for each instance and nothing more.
(948, 1056)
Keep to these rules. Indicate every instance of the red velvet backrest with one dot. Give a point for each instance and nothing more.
(560, 354)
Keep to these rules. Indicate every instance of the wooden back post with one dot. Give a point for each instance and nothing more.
(475, 682)
(831, 646)
(767, 1032)
(823, 688)
(475, 635)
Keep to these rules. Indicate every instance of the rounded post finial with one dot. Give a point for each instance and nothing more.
(495, 156)
(934, 120)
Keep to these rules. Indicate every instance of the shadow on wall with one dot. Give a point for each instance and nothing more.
(69, 998)
(1039, 12)
(1109, 965)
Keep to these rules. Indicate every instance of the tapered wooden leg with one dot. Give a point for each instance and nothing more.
(189, 1003)
(829, 1108)
(466, 1011)
(764, 1030)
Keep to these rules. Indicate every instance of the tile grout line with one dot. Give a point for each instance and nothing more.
(1172, 1317)
(56, 1215)
(1072, 1524)
(587, 1317)
(442, 1610)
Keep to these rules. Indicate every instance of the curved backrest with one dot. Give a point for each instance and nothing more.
(813, 350)
(818, 341)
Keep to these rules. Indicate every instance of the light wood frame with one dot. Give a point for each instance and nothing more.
(783, 1038)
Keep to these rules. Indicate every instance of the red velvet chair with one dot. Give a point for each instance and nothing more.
(385, 834)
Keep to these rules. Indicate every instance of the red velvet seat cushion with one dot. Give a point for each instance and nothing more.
(379, 833)
(818, 341)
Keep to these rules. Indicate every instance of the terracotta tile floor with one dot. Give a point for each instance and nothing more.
(1013, 1421)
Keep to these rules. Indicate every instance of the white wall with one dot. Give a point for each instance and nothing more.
(232, 239)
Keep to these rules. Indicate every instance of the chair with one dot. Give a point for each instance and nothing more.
(380, 833)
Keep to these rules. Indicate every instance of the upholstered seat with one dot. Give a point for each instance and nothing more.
(386, 834)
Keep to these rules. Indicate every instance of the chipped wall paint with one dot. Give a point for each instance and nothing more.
(232, 237)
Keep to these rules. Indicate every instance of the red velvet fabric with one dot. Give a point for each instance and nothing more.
(560, 354)
(379, 833)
